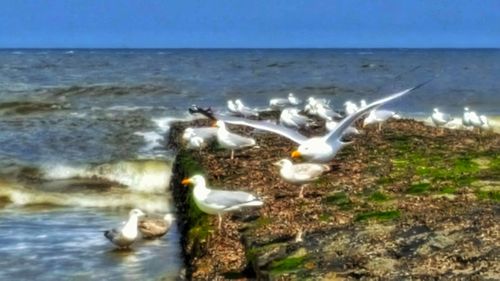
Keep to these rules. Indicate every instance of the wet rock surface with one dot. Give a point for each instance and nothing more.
(407, 202)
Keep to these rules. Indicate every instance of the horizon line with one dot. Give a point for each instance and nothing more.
(246, 48)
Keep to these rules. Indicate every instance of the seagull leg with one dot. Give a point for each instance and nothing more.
(220, 222)
(301, 194)
(232, 154)
(380, 126)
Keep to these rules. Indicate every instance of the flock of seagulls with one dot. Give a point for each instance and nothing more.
(316, 150)
(470, 119)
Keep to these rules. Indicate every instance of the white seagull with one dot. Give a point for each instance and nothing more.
(300, 174)
(350, 107)
(218, 202)
(466, 118)
(230, 140)
(127, 233)
(440, 119)
(278, 103)
(316, 149)
(155, 227)
(475, 120)
(293, 99)
(231, 106)
(379, 116)
(486, 123)
(244, 110)
(325, 113)
(290, 117)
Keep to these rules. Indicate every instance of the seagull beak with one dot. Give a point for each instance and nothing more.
(296, 154)
(214, 124)
(185, 182)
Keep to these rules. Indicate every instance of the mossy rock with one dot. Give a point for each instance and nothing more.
(378, 215)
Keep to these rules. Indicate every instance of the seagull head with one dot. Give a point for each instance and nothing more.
(194, 180)
(313, 149)
(239, 103)
(466, 108)
(436, 110)
(136, 213)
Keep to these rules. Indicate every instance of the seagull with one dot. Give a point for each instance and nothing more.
(300, 174)
(155, 227)
(278, 103)
(126, 234)
(206, 133)
(350, 107)
(231, 106)
(293, 100)
(440, 119)
(311, 104)
(379, 116)
(244, 110)
(325, 113)
(466, 118)
(230, 140)
(474, 119)
(218, 202)
(316, 149)
(362, 103)
(290, 117)
(486, 123)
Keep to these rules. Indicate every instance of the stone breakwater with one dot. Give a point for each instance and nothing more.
(407, 202)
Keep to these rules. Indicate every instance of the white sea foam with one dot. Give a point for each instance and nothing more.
(147, 176)
(117, 197)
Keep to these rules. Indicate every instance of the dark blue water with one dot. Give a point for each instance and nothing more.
(101, 115)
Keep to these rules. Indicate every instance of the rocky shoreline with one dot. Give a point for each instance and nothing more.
(407, 202)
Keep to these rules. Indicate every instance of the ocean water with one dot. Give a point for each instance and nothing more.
(82, 135)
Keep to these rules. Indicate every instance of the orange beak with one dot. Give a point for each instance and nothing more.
(296, 154)
(214, 124)
(185, 182)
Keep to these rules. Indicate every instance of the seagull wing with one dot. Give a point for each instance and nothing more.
(266, 126)
(230, 199)
(346, 122)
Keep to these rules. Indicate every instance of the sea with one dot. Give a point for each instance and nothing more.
(83, 132)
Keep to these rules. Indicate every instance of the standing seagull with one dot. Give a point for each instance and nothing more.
(218, 202)
(244, 110)
(378, 116)
(300, 174)
(155, 227)
(290, 117)
(126, 234)
(440, 119)
(231, 141)
(466, 118)
(316, 149)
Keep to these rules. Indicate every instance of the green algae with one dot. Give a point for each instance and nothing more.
(339, 199)
(418, 188)
(493, 195)
(378, 196)
(378, 215)
(448, 190)
(291, 263)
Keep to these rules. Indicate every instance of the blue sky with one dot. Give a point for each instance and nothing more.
(249, 24)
